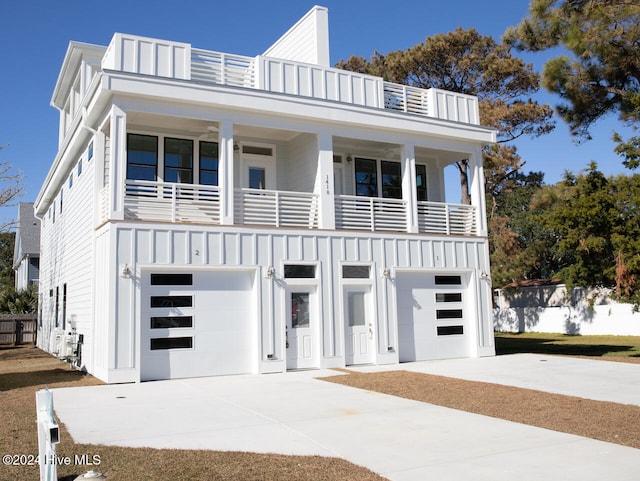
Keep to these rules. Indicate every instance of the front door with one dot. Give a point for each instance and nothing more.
(358, 326)
(302, 350)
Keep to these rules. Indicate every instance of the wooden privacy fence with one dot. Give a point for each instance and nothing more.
(17, 329)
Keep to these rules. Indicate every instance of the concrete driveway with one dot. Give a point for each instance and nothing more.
(295, 413)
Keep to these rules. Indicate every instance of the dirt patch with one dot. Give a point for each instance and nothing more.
(606, 421)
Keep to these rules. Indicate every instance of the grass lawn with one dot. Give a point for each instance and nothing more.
(25, 370)
(611, 348)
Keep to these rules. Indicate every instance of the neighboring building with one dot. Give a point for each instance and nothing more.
(26, 253)
(210, 214)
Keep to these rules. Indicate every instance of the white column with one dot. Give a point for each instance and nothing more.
(476, 190)
(409, 195)
(225, 171)
(117, 163)
(324, 182)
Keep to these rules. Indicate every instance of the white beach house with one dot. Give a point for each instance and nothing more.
(210, 213)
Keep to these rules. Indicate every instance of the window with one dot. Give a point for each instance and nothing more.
(71, 180)
(448, 313)
(209, 163)
(450, 330)
(356, 309)
(61, 191)
(171, 279)
(64, 306)
(257, 150)
(356, 272)
(299, 271)
(178, 160)
(257, 178)
(171, 301)
(142, 157)
(171, 322)
(79, 167)
(421, 182)
(369, 183)
(366, 177)
(165, 343)
(299, 309)
(449, 297)
(90, 152)
(391, 180)
(448, 280)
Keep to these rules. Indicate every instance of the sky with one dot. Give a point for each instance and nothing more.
(35, 34)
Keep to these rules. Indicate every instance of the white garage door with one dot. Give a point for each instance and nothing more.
(197, 324)
(432, 316)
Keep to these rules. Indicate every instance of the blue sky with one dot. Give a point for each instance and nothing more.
(35, 34)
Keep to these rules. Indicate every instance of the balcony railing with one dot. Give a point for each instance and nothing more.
(276, 208)
(171, 202)
(450, 219)
(147, 56)
(370, 213)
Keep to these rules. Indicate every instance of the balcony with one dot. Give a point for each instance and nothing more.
(153, 57)
(187, 203)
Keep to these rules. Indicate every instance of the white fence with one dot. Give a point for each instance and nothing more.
(551, 309)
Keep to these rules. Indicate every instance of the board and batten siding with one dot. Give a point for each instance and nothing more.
(156, 246)
(67, 256)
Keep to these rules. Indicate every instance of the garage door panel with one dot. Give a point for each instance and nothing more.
(432, 317)
(223, 323)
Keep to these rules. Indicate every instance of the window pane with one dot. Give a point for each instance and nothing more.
(356, 309)
(449, 297)
(253, 149)
(209, 163)
(448, 280)
(299, 309)
(170, 322)
(366, 177)
(391, 180)
(356, 272)
(450, 330)
(171, 301)
(142, 157)
(299, 271)
(448, 313)
(208, 178)
(256, 178)
(421, 182)
(178, 153)
(171, 279)
(171, 343)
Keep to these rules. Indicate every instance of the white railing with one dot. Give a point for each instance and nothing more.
(172, 202)
(370, 213)
(450, 219)
(411, 100)
(222, 68)
(276, 208)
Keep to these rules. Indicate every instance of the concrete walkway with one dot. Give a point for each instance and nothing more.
(403, 440)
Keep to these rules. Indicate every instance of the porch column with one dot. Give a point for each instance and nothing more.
(225, 171)
(476, 189)
(117, 163)
(324, 182)
(409, 195)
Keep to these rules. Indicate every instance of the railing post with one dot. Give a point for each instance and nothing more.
(277, 199)
(372, 213)
(173, 203)
(447, 217)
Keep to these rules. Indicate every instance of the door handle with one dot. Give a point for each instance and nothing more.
(286, 337)
(370, 331)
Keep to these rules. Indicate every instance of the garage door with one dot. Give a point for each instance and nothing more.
(432, 316)
(197, 324)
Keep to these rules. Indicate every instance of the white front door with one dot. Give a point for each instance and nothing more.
(301, 342)
(359, 342)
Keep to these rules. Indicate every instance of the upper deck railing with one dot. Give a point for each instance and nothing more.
(161, 58)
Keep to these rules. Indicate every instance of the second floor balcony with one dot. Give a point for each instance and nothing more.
(188, 203)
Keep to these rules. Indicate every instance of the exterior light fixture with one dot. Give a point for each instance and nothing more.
(386, 273)
(126, 272)
(270, 273)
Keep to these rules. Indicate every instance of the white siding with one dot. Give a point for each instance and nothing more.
(142, 247)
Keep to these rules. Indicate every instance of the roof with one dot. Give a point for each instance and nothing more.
(27, 233)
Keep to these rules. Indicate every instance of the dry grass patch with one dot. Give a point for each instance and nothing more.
(606, 421)
(23, 371)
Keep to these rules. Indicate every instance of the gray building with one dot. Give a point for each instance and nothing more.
(26, 254)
